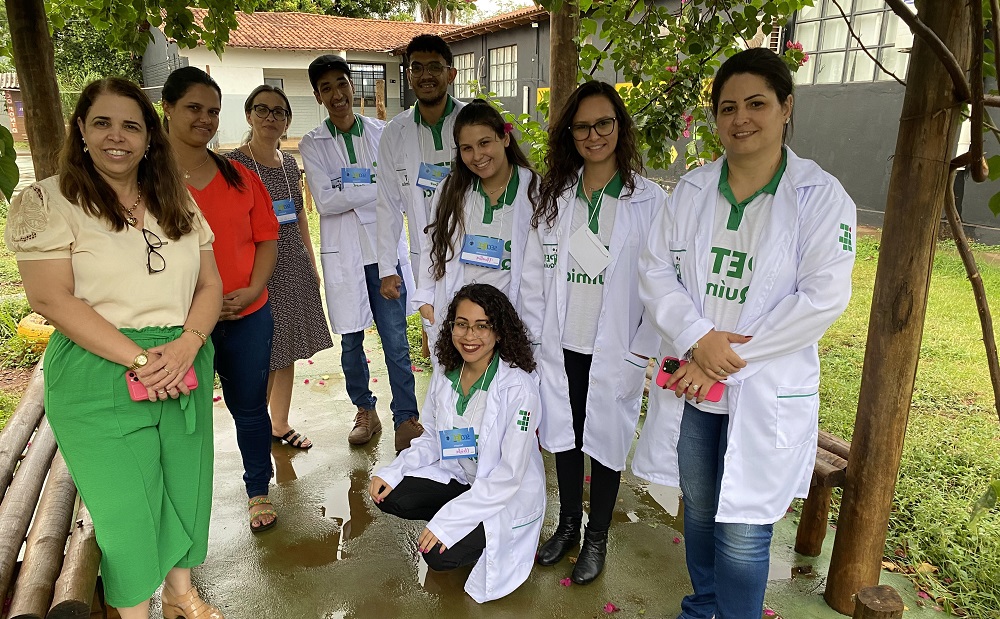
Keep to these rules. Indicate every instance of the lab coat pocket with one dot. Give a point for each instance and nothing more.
(333, 267)
(524, 531)
(632, 377)
(797, 415)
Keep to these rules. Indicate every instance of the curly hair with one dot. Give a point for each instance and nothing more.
(563, 161)
(512, 342)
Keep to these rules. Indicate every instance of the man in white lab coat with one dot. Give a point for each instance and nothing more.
(340, 158)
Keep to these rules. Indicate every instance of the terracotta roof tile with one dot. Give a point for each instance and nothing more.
(306, 31)
(504, 21)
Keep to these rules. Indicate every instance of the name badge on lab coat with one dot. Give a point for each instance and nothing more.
(458, 443)
(356, 176)
(483, 251)
(284, 210)
(588, 250)
(430, 175)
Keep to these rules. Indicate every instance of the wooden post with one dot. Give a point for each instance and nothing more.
(380, 99)
(928, 127)
(881, 602)
(564, 57)
(43, 553)
(19, 502)
(74, 591)
(814, 521)
(19, 428)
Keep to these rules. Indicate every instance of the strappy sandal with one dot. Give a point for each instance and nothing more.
(254, 515)
(188, 605)
(293, 439)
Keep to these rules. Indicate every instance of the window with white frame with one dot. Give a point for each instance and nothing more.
(465, 67)
(836, 57)
(503, 71)
(363, 75)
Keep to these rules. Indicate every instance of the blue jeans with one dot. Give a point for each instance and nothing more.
(390, 320)
(735, 557)
(242, 359)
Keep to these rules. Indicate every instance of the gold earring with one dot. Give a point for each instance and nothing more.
(86, 148)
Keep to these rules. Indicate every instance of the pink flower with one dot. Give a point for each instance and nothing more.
(508, 127)
(610, 608)
(805, 59)
(306, 381)
(768, 612)
(686, 133)
(311, 362)
(586, 479)
(677, 540)
(217, 398)
(688, 120)
(672, 69)
(794, 45)
(565, 582)
(374, 380)
(368, 360)
(320, 383)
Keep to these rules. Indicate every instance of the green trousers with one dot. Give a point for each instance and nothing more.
(144, 469)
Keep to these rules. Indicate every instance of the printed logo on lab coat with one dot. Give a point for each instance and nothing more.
(523, 418)
(728, 269)
(846, 238)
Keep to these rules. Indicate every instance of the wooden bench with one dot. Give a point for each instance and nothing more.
(830, 472)
(40, 511)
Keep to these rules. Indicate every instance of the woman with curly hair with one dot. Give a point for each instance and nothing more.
(592, 221)
(475, 474)
(480, 217)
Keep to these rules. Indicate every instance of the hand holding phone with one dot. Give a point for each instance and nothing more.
(137, 391)
(671, 365)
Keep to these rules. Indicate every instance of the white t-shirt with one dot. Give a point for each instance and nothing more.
(499, 224)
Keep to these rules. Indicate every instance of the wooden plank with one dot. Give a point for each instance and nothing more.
(19, 428)
(827, 475)
(813, 522)
(834, 444)
(74, 591)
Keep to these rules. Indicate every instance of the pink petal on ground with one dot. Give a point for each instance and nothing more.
(320, 382)
(217, 398)
(611, 608)
(565, 582)
(368, 360)
(374, 380)
(306, 381)
(310, 362)
(586, 479)
(789, 510)
(677, 540)
(768, 612)
(923, 594)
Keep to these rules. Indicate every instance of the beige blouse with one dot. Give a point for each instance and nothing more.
(109, 267)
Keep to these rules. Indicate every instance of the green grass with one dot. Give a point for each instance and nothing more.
(952, 447)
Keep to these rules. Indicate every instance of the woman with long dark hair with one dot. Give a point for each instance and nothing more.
(592, 220)
(238, 207)
(747, 266)
(476, 473)
(116, 255)
(480, 216)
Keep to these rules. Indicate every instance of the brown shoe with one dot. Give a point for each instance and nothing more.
(189, 606)
(406, 432)
(366, 425)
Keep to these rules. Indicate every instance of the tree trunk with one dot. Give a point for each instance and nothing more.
(881, 602)
(18, 431)
(33, 59)
(74, 591)
(928, 128)
(564, 57)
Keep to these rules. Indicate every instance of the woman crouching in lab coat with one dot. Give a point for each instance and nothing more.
(476, 473)
(746, 268)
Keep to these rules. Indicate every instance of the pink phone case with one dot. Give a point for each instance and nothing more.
(137, 391)
(663, 377)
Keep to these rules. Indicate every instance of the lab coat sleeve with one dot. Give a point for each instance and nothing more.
(331, 200)
(823, 280)
(423, 451)
(491, 492)
(530, 301)
(389, 206)
(668, 303)
(424, 276)
(646, 341)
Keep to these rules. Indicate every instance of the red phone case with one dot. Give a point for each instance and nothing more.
(137, 391)
(662, 378)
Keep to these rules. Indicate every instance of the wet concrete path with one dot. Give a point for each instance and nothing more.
(333, 555)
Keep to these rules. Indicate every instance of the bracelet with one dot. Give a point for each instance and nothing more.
(201, 336)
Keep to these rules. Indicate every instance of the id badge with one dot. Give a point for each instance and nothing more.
(482, 251)
(284, 210)
(458, 443)
(356, 176)
(588, 250)
(430, 175)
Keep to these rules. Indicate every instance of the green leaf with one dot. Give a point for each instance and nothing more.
(9, 174)
(989, 499)
(995, 204)
(994, 164)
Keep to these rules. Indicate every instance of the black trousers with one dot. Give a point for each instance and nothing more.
(416, 498)
(604, 482)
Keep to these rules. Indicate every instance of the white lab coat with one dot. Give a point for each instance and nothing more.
(508, 493)
(801, 283)
(397, 187)
(617, 373)
(343, 211)
(439, 293)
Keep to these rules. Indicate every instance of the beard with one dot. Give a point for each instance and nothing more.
(432, 100)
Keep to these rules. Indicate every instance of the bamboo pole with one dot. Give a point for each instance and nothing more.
(380, 99)
(19, 502)
(46, 544)
(74, 591)
(17, 432)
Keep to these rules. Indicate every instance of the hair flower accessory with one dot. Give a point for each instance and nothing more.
(508, 127)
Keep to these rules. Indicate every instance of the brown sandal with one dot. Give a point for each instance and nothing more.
(254, 515)
(189, 606)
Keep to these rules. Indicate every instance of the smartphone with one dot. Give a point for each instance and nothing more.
(137, 391)
(671, 365)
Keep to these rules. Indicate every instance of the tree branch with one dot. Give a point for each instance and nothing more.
(919, 28)
(611, 42)
(976, 104)
(995, 33)
(978, 290)
(864, 48)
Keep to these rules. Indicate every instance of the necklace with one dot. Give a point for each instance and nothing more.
(502, 187)
(130, 217)
(187, 173)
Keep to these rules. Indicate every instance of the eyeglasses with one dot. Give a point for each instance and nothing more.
(603, 127)
(479, 330)
(434, 68)
(154, 259)
(262, 112)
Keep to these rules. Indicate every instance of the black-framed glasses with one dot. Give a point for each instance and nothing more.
(433, 68)
(479, 329)
(603, 127)
(154, 259)
(262, 112)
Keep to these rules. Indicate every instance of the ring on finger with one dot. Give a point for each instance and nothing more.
(721, 372)
(696, 387)
(168, 371)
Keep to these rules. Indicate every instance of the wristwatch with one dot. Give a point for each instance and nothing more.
(140, 360)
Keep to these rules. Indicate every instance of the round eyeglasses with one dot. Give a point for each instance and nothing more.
(433, 68)
(479, 329)
(262, 111)
(603, 127)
